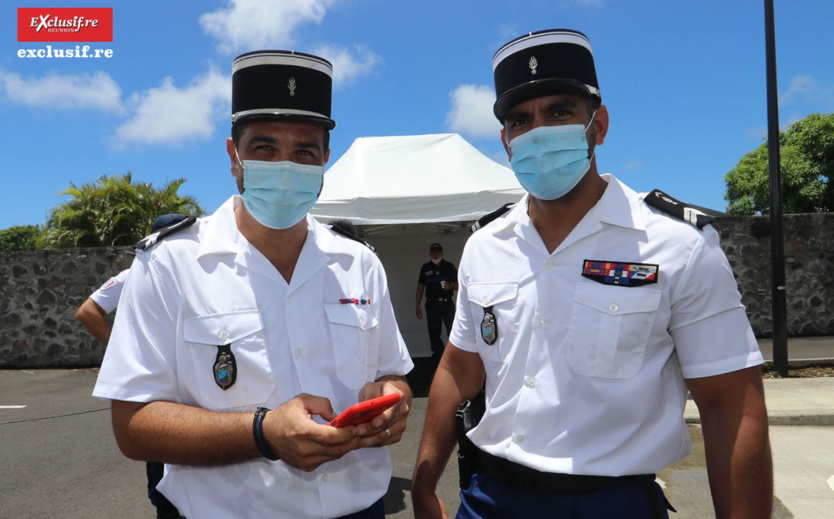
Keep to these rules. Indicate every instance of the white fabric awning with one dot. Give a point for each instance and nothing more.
(414, 179)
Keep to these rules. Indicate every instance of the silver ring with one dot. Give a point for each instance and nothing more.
(387, 433)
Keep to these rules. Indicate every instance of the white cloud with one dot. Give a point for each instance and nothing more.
(171, 115)
(347, 66)
(756, 132)
(259, 24)
(96, 91)
(805, 87)
(632, 165)
(801, 86)
(471, 112)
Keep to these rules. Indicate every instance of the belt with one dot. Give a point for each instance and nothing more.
(526, 479)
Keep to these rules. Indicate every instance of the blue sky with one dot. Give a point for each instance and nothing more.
(684, 83)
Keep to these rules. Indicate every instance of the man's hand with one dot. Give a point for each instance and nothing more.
(388, 427)
(419, 312)
(293, 435)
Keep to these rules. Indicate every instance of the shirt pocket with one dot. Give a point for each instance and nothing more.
(500, 299)
(244, 332)
(355, 350)
(610, 328)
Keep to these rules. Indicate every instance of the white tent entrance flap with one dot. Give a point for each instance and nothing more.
(405, 193)
(414, 179)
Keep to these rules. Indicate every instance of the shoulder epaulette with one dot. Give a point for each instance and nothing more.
(660, 200)
(350, 236)
(148, 241)
(487, 218)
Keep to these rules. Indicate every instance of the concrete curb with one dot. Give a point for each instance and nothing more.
(791, 401)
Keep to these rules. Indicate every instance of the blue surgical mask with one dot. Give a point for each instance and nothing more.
(280, 194)
(549, 161)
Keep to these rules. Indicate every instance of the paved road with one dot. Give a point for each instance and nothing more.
(58, 459)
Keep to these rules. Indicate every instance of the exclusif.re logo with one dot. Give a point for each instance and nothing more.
(65, 24)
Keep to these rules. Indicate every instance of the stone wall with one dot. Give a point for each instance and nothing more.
(40, 291)
(809, 270)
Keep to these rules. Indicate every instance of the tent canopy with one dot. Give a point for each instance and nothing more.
(414, 179)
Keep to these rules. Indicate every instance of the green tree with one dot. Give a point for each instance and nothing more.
(19, 237)
(112, 211)
(807, 167)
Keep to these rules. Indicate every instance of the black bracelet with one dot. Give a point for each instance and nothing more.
(258, 432)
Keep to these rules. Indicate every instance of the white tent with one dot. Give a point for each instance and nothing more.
(414, 179)
(405, 193)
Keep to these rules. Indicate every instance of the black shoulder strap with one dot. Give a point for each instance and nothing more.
(487, 218)
(660, 200)
(148, 241)
(338, 230)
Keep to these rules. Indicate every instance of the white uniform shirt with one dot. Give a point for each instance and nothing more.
(585, 377)
(107, 296)
(206, 286)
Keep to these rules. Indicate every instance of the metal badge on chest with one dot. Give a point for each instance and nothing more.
(225, 367)
(489, 327)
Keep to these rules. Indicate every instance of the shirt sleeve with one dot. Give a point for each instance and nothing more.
(709, 324)
(140, 361)
(107, 296)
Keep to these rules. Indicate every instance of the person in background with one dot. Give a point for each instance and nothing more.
(439, 279)
(93, 315)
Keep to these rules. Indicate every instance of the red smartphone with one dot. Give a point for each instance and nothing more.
(365, 411)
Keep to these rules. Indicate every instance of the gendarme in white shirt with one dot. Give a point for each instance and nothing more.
(107, 296)
(206, 286)
(586, 377)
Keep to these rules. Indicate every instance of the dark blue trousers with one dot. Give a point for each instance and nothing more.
(487, 498)
(439, 313)
(164, 507)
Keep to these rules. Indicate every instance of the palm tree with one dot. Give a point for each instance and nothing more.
(112, 211)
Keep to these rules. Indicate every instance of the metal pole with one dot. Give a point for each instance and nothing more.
(777, 247)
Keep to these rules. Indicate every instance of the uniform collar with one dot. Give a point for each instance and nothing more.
(221, 233)
(223, 237)
(619, 206)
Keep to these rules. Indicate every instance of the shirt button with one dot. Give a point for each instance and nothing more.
(224, 333)
(613, 307)
(548, 265)
(298, 352)
(486, 300)
(325, 478)
(362, 321)
(520, 438)
(539, 322)
(531, 381)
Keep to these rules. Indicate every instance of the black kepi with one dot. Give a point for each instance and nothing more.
(554, 61)
(280, 83)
